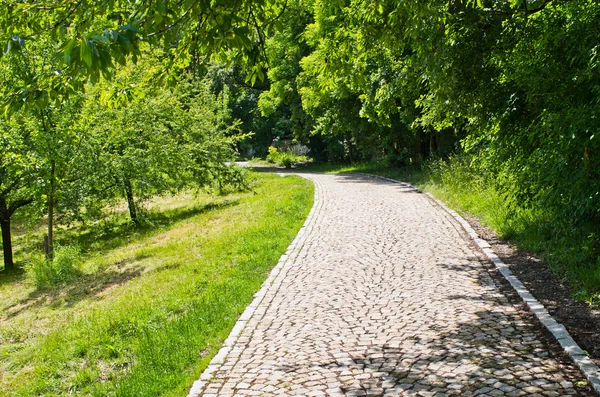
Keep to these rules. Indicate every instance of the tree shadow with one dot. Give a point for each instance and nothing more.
(556, 293)
(472, 359)
(86, 286)
(12, 275)
(345, 177)
(374, 180)
(99, 239)
(489, 344)
(494, 354)
(109, 236)
(116, 232)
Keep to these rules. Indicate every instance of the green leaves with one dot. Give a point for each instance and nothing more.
(85, 52)
(86, 39)
(14, 45)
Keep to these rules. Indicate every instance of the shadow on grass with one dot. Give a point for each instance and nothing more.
(110, 236)
(101, 238)
(86, 286)
(12, 275)
(117, 232)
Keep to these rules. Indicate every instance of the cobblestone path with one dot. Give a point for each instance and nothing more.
(386, 296)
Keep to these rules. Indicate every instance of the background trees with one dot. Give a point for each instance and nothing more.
(72, 155)
(505, 92)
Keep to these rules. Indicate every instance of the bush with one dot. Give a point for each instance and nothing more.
(570, 246)
(286, 159)
(66, 265)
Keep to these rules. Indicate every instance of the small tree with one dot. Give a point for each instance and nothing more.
(155, 140)
(40, 104)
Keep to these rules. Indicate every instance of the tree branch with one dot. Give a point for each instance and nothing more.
(177, 21)
(10, 187)
(67, 15)
(15, 205)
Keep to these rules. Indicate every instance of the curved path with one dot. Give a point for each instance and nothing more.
(385, 295)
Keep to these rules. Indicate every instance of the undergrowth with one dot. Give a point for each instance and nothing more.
(65, 266)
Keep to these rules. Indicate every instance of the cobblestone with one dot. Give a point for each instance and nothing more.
(385, 295)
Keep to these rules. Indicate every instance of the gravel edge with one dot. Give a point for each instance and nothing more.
(589, 369)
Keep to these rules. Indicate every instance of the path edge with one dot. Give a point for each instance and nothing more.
(589, 369)
(219, 359)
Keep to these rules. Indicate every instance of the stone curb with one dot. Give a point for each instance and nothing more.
(590, 370)
(218, 360)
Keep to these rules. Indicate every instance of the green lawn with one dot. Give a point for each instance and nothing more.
(153, 303)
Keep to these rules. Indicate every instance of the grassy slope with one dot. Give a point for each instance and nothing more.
(566, 254)
(153, 304)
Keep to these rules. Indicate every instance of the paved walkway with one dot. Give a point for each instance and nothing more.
(385, 295)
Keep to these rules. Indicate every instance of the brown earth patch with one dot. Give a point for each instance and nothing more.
(581, 319)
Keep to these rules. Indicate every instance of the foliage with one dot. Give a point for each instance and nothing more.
(65, 266)
(88, 38)
(285, 158)
(158, 141)
(17, 165)
(122, 138)
(508, 90)
(511, 86)
(569, 249)
(258, 130)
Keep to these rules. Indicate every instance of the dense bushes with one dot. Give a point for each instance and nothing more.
(569, 245)
(284, 157)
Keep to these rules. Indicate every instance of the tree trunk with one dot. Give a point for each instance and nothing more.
(130, 200)
(432, 143)
(6, 243)
(6, 211)
(350, 150)
(49, 245)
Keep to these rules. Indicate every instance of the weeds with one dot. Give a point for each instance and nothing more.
(284, 158)
(65, 266)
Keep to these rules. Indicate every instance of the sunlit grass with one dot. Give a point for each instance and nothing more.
(154, 302)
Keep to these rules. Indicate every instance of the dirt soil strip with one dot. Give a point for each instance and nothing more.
(580, 357)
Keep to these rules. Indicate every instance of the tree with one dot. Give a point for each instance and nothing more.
(41, 126)
(17, 164)
(282, 101)
(156, 140)
(90, 37)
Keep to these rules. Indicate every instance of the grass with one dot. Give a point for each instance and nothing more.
(568, 249)
(153, 303)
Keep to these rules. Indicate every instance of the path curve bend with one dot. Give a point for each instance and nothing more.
(384, 294)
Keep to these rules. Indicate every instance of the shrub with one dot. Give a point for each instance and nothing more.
(66, 265)
(286, 159)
